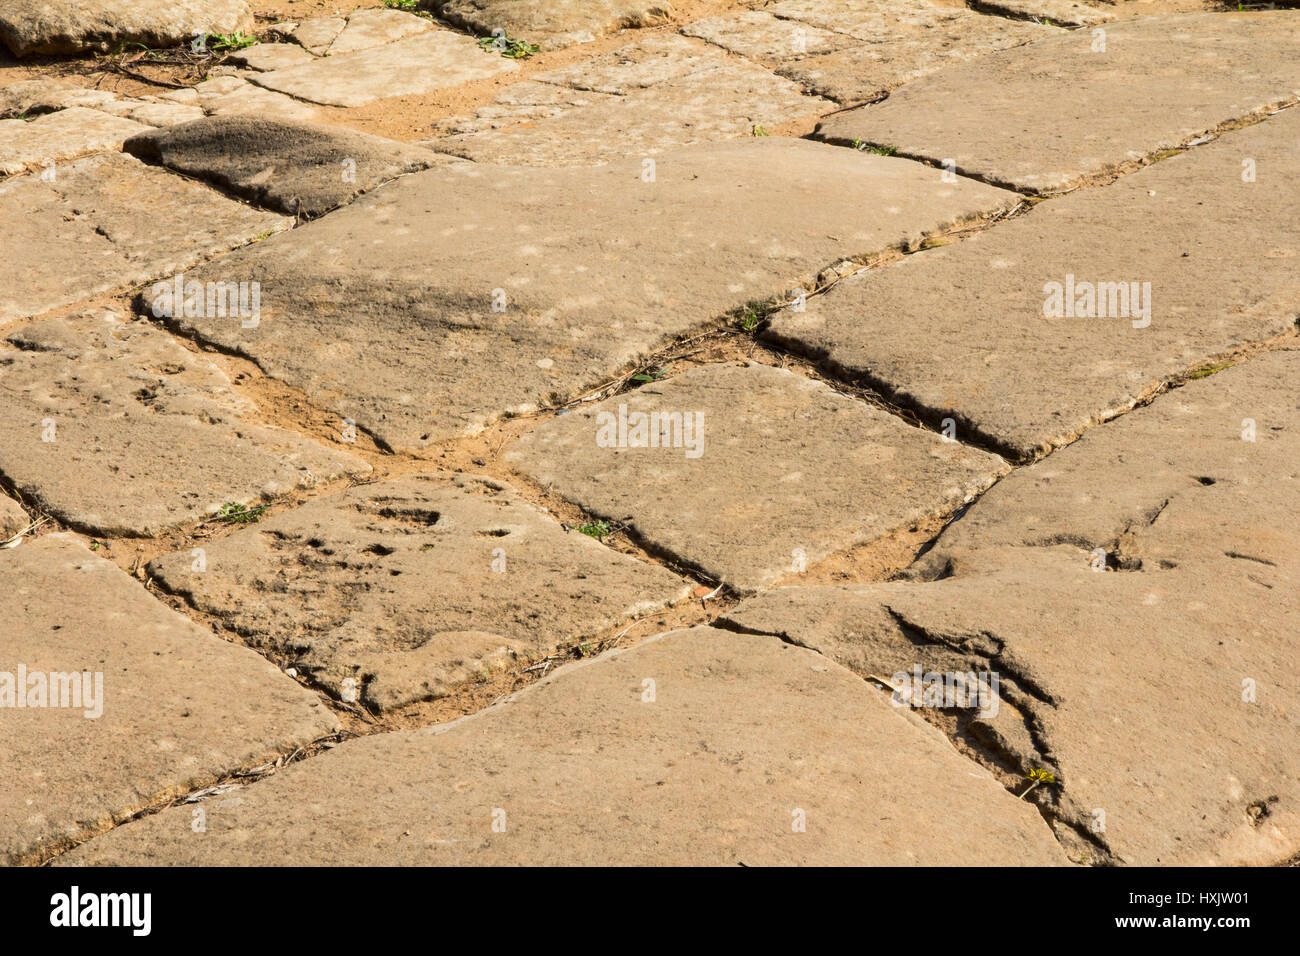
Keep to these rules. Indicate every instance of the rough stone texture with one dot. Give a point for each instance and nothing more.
(270, 56)
(779, 463)
(297, 168)
(418, 64)
(180, 707)
(383, 311)
(13, 518)
(552, 24)
(369, 28)
(71, 26)
(960, 331)
(413, 586)
(1160, 83)
(108, 222)
(60, 136)
(858, 50)
(316, 34)
(638, 100)
(116, 428)
(1068, 13)
(165, 114)
(238, 96)
(712, 771)
(20, 96)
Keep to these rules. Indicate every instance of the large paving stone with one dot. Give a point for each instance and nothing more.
(177, 708)
(582, 769)
(415, 65)
(56, 137)
(383, 311)
(370, 28)
(961, 331)
(765, 466)
(1159, 83)
(413, 586)
(108, 222)
(305, 169)
(71, 26)
(232, 95)
(1066, 13)
(858, 50)
(656, 94)
(552, 24)
(115, 428)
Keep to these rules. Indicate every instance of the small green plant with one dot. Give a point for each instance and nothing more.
(400, 4)
(864, 147)
(1037, 775)
(508, 46)
(651, 374)
(221, 42)
(1206, 371)
(752, 316)
(584, 650)
(595, 529)
(232, 512)
(760, 131)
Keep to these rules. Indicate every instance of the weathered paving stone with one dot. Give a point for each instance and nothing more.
(317, 33)
(56, 137)
(411, 587)
(552, 24)
(116, 428)
(369, 28)
(106, 222)
(711, 770)
(860, 49)
(13, 518)
(71, 26)
(962, 331)
(1067, 13)
(764, 468)
(165, 114)
(656, 94)
(305, 169)
(239, 97)
(383, 311)
(417, 64)
(1159, 83)
(177, 707)
(270, 56)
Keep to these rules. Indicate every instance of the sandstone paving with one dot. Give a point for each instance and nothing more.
(139, 704)
(375, 27)
(270, 56)
(681, 750)
(226, 95)
(73, 26)
(411, 587)
(433, 306)
(417, 64)
(107, 222)
(61, 136)
(654, 94)
(971, 331)
(302, 169)
(552, 24)
(1067, 13)
(763, 470)
(1159, 82)
(114, 427)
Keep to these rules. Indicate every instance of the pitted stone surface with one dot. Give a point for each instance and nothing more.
(431, 307)
(552, 24)
(961, 331)
(116, 428)
(178, 707)
(713, 769)
(775, 469)
(1159, 81)
(109, 222)
(57, 137)
(71, 26)
(411, 587)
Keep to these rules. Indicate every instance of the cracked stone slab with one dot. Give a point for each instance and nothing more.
(1159, 83)
(953, 330)
(552, 24)
(370, 28)
(177, 707)
(317, 33)
(303, 169)
(762, 468)
(386, 311)
(659, 93)
(411, 587)
(861, 49)
(73, 26)
(1066, 13)
(108, 222)
(265, 57)
(13, 518)
(582, 769)
(238, 96)
(116, 428)
(57, 137)
(1163, 702)
(415, 65)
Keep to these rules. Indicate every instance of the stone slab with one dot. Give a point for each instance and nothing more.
(58, 137)
(412, 587)
(1065, 13)
(953, 330)
(13, 518)
(116, 428)
(1159, 83)
(551, 24)
(74, 26)
(109, 222)
(375, 27)
(178, 707)
(270, 56)
(384, 310)
(581, 769)
(776, 468)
